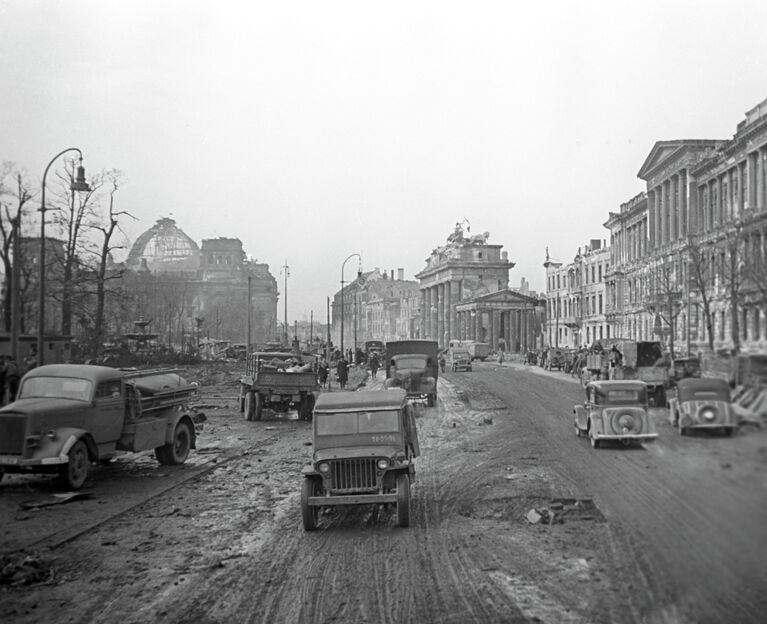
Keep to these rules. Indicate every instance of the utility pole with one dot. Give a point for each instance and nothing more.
(286, 271)
(311, 328)
(327, 345)
(250, 314)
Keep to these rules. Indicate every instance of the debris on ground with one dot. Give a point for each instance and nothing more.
(24, 569)
(54, 499)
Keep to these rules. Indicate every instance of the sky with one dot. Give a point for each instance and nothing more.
(315, 130)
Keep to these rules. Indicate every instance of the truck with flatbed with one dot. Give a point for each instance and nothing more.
(69, 416)
(279, 381)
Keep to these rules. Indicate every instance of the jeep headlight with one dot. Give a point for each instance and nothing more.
(323, 467)
(708, 413)
(382, 464)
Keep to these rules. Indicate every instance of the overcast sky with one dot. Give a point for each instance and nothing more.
(314, 130)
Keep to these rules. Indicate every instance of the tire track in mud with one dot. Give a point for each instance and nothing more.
(664, 521)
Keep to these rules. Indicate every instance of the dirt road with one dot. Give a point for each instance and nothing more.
(674, 532)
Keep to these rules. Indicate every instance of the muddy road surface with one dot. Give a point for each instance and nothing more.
(673, 532)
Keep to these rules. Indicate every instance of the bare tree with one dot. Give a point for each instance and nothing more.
(701, 280)
(734, 277)
(665, 296)
(11, 212)
(74, 214)
(101, 253)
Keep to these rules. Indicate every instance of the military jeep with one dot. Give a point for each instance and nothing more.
(364, 447)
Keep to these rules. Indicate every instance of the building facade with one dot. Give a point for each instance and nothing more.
(576, 298)
(688, 255)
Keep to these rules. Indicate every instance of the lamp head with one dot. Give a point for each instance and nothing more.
(79, 183)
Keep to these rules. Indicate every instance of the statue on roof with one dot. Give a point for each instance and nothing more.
(456, 238)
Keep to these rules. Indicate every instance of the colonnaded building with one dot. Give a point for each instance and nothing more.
(465, 295)
(188, 292)
(687, 261)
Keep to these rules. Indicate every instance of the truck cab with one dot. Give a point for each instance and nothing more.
(414, 366)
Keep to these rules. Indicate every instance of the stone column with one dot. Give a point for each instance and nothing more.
(477, 324)
(426, 313)
(454, 299)
(493, 333)
(651, 218)
(440, 314)
(422, 324)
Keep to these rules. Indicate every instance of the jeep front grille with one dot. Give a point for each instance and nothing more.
(12, 431)
(354, 475)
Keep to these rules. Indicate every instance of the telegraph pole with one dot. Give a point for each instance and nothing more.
(286, 270)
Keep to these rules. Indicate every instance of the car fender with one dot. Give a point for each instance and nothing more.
(596, 425)
(173, 421)
(673, 407)
(56, 450)
(580, 417)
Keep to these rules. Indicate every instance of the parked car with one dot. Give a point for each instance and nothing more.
(702, 403)
(555, 358)
(615, 410)
(364, 449)
(458, 360)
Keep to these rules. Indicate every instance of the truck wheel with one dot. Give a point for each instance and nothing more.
(250, 405)
(177, 451)
(403, 500)
(258, 406)
(75, 471)
(309, 513)
(431, 399)
(241, 400)
(308, 404)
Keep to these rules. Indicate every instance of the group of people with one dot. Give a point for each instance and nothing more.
(342, 369)
(10, 375)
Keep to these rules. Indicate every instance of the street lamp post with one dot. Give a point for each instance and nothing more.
(343, 305)
(79, 184)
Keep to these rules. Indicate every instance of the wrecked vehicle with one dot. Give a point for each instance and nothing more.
(615, 410)
(68, 416)
(414, 366)
(702, 403)
(364, 449)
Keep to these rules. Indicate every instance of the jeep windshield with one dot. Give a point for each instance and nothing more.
(411, 361)
(56, 388)
(350, 423)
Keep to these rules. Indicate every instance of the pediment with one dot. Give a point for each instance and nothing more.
(664, 153)
(505, 296)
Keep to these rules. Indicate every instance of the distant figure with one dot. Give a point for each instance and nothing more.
(2, 380)
(442, 362)
(374, 365)
(500, 357)
(11, 377)
(322, 372)
(342, 370)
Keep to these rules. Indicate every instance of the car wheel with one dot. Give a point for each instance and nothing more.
(75, 471)
(309, 513)
(176, 452)
(403, 500)
(577, 431)
(258, 405)
(682, 429)
(249, 405)
(595, 443)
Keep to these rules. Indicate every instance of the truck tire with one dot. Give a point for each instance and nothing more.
(241, 400)
(73, 474)
(403, 500)
(431, 400)
(258, 406)
(250, 405)
(309, 514)
(176, 452)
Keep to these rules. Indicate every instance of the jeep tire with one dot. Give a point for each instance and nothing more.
(309, 513)
(403, 500)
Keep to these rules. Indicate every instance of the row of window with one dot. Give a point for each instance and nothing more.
(595, 271)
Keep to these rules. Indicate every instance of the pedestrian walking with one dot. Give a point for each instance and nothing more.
(374, 365)
(442, 362)
(11, 377)
(500, 357)
(322, 372)
(342, 370)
